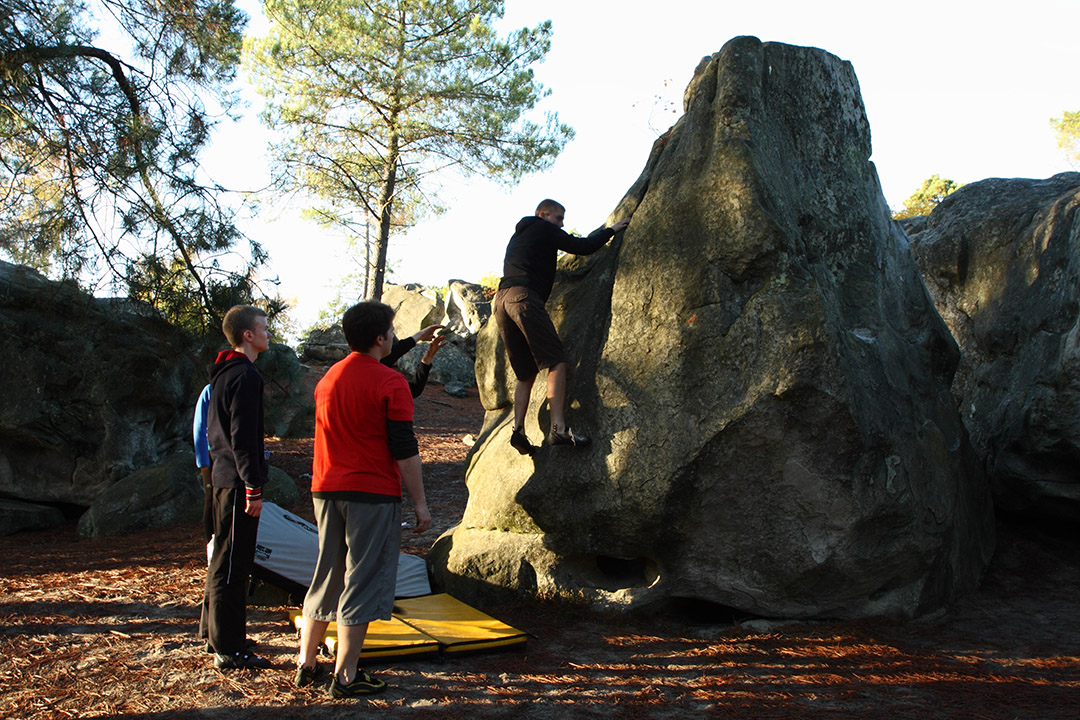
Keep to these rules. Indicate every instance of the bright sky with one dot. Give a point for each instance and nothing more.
(964, 89)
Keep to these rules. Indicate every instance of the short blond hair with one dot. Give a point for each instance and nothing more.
(237, 320)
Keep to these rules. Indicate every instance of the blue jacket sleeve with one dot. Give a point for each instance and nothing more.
(198, 429)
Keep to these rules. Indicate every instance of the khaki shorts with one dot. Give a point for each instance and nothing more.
(527, 331)
(356, 572)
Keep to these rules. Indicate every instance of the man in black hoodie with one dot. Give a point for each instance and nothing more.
(240, 469)
(523, 321)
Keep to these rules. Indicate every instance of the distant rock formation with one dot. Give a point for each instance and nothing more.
(463, 312)
(91, 391)
(764, 373)
(1001, 259)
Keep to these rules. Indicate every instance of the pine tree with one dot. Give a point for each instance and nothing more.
(100, 144)
(375, 97)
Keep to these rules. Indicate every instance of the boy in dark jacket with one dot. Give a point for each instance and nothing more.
(523, 321)
(240, 468)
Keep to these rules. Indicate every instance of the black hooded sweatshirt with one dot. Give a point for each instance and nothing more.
(234, 425)
(533, 250)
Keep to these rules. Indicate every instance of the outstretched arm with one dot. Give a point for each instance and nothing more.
(588, 245)
(412, 477)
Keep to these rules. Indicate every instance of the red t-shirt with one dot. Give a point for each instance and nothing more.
(353, 401)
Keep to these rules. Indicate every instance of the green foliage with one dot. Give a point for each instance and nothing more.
(933, 190)
(374, 97)
(1067, 128)
(99, 148)
(490, 283)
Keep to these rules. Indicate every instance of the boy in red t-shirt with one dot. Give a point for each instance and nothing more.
(365, 449)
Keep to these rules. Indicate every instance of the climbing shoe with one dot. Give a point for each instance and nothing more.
(308, 676)
(568, 438)
(519, 442)
(363, 684)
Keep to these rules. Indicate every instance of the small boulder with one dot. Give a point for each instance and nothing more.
(17, 516)
(164, 495)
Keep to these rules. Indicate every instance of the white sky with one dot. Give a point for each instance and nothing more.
(964, 89)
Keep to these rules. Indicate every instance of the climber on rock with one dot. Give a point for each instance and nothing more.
(523, 321)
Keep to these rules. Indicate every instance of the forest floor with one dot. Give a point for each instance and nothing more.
(107, 628)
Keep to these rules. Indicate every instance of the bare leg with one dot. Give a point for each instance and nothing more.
(350, 643)
(556, 396)
(312, 633)
(522, 392)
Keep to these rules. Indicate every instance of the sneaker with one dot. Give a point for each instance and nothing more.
(568, 438)
(363, 684)
(521, 443)
(308, 676)
(248, 645)
(240, 661)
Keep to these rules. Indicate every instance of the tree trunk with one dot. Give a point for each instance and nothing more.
(386, 205)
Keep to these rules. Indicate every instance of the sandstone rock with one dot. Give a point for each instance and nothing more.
(413, 308)
(452, 364)
(280, 488)
(290, 387)
(467, 307)
(1001, 259)
(91, 392)
(456, 389)
(765, 376)
(324, 345)
(17, 516)
(165, 495)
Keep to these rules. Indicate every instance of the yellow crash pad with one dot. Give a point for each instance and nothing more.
(457, 626)
(428, 624)
(385, 638)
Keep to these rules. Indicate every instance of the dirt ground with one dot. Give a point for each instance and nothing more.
(106, 628)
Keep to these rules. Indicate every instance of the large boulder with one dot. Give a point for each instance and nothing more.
(765, 376)
(1001, 259)
(92, 391)
(414, 307)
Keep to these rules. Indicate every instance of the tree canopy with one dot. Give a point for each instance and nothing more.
(1067, 128)
(374, 97)
(922, 202)
(104, 108)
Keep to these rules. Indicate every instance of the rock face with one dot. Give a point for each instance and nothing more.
(90, 392)
(1001, 259)
(764, 374)
(416, 307)
(324, 345)
(16, 516)
(467, 308)
(167, 494)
